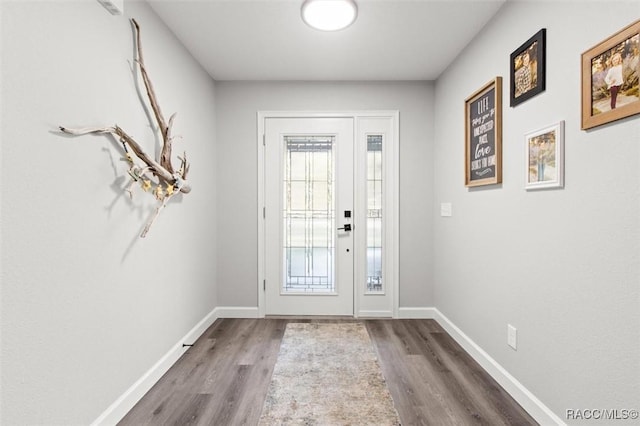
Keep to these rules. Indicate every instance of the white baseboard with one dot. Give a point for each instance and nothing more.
(540, 412)
(416, 313)
(127, 400)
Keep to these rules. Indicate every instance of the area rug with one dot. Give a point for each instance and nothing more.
(327, 374)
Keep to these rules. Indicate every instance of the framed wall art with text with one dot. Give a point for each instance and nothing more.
(483, 135)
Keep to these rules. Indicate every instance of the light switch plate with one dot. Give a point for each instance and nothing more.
(446, 210)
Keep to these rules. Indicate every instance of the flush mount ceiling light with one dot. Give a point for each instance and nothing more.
(329, 15)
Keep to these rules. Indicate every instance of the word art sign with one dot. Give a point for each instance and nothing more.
(483, 135)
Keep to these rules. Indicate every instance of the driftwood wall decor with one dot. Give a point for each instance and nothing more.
(157, 177)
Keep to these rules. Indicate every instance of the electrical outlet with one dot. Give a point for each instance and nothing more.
(512, 336)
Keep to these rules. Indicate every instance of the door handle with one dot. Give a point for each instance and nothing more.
(347, 227)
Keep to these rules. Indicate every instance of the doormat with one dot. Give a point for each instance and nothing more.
(327, 374)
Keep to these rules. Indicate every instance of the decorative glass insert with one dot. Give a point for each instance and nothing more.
(374, 213)
(308, 214)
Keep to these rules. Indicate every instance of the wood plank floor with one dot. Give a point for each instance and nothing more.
(223, 379)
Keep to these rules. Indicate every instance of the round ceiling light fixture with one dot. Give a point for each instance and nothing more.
(329, 15)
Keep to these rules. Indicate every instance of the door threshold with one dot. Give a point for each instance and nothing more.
(311, 317)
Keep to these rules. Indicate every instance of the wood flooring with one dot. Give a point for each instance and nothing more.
(223, 379)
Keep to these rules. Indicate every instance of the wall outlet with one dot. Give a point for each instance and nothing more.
(512, 336)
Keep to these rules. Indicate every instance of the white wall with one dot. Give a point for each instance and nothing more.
(87, 306)
(237, 104)
(563, 266)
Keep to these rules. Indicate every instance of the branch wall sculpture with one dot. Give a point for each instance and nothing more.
(156, 176)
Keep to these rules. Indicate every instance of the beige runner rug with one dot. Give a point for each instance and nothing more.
(327, 374)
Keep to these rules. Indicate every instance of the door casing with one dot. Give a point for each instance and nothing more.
(365, 305)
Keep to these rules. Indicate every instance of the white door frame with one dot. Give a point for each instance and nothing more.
(392, 177)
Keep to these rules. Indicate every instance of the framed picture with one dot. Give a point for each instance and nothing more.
(610, 73)
(527, 69)
(544, 157)
(483, 135)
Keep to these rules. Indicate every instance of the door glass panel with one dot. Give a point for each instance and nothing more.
(308, 214)
(374, 214)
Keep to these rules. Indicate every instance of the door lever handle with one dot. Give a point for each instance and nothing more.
(347, 227)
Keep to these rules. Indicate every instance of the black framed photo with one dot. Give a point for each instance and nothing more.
(527, 68)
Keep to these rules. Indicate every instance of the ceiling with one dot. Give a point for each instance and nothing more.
(267, 39)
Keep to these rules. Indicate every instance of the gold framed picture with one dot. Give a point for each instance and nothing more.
(610, 78)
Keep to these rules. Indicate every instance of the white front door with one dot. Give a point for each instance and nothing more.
(309, 203)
